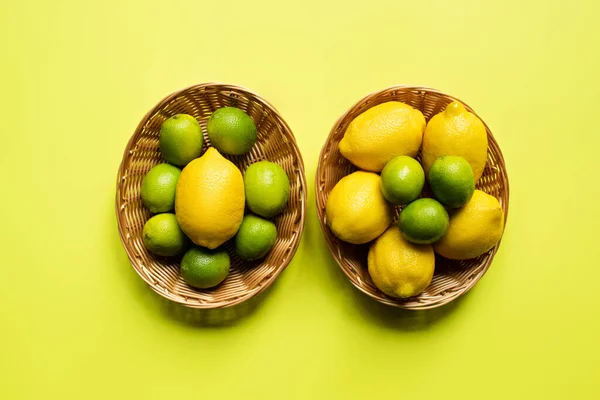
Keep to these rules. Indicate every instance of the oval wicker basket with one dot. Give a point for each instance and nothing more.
(452, 278)
(275, 143)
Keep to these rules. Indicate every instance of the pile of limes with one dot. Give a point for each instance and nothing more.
(199, 199)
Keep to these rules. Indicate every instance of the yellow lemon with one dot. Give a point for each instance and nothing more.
(381, 133)
(455, 132)
(474, 228)
(356, 210)
(398, 267)
(209, 201)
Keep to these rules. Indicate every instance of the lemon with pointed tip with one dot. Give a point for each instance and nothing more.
(474, 229)
(381, 133)
(398, 267)
(356, 210)
(455, 132)
(209, 201)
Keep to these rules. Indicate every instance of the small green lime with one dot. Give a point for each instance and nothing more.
(180, 139)
(423, 221)
(402, 180)
(231, 131)
(452, 181)
(255, 237)
(162, 235)
(203, 268)
(158, 188)
(267, 188)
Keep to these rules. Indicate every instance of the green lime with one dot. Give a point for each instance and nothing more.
(203, 268)
(158, 188)
(180, 139)
(267, 188)
(162, 235)
(423, 221)
(255, 237)
(231, 131)
(452, 181)
(402, 180)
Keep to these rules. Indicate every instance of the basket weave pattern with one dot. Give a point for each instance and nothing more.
(275, 143)
(452, 278)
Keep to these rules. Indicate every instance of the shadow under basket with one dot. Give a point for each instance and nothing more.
(275, 143)
(451, 278)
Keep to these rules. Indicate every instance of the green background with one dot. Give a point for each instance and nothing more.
(77, 322)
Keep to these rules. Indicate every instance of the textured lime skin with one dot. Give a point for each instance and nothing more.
(267, 188)
(231, 131)
(402, 180)
(163, 236)
(203, 268)
(452, 181)
(158, 188)
(255, 238)
(180, 139)
(423, 221)
(398, 267)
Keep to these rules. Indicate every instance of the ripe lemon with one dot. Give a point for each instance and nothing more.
(209, 202)
(455, 132)
(381, 133)
(398, 267)
(474, 228)
(356, 210)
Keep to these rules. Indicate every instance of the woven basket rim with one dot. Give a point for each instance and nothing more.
(329, 237)
(301, 224)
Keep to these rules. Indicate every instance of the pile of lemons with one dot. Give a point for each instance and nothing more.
(199, 199)
(459, 223)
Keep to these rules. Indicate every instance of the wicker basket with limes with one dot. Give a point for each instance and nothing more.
(211, 196)
(412, 195)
